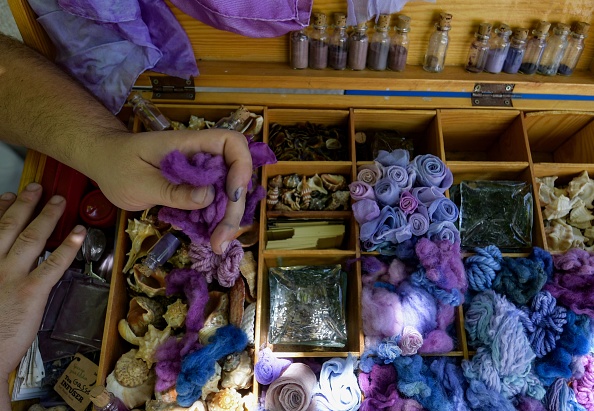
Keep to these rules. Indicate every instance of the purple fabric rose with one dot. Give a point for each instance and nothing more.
(387, 192)
(361, 191)
(419, 221)
(432, 172)
(391, 225)
(399, 175)
(398, 157)
(443, 230)
(427, 195)
(370, 173)
(268, 367)
(411, 341)
(365, 210)
(443, 209)
(408, 202)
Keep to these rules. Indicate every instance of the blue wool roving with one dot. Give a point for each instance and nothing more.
(481, 398)
(450, 376)
(560, 397)
(544, 258)
(199, 366)
(482, 267)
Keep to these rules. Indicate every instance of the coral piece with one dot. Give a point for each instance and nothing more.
(248, 268)
(131, 380)
(150, 342)
(236, 303)
(147, 281)
(239, 377)
(176, 314)
(143, 236)
(226, 400)
(216, 313)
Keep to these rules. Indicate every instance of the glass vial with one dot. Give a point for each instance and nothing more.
(399, 44)
(379, 44)
(575, 47)
(479, 48)
(534, 48)
(515, 54)
(104, 400)
(150, 115)
(553, 52)
(299, 49)
(338, 48)
(318, 43)
(162, 251)
(498, 46)
(358, 45)
(237, 121)
(438, 45)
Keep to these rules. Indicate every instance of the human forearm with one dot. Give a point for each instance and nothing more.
(42, 108)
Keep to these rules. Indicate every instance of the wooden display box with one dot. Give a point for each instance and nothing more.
(547, 128)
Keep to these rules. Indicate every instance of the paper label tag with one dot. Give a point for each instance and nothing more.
(76, 382)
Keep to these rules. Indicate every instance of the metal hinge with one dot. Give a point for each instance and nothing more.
(492, 95)
(173, 88)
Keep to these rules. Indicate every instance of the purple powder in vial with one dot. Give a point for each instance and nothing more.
(564, 70)
(495, 60)
(337, 57)
(397, 57)
(299, 50)
(357, 56)
(513, 61)
(318, 54)
(377, 56)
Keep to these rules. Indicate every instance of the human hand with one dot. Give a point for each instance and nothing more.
(128, 171)
(23, 291)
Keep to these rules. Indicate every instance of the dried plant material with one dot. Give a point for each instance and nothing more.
(236, 303)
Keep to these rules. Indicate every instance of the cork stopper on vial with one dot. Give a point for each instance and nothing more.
(562, 28)
(542, 28)
(383, 22)
(445, 20)
(484, 29)
(521, 34)
(581, 28)
(99, 396)
(319, 20)
(503, 29)
(403, 23)
(340, 20)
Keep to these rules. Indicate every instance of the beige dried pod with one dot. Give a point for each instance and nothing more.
(236, 302)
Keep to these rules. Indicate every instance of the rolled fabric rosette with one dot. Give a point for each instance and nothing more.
(365, 210)
(408, 202)
(338, 389)
(391, 225)
(427, 195)
(360, 191)
(443, 230)
(269, 368)
(419, 221)
(293, 390)
(400, 176)
(370, 173)
(443, 209)
(432, 172)
(387, 192)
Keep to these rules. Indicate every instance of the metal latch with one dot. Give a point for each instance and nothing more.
(492, 95)
(173, 88)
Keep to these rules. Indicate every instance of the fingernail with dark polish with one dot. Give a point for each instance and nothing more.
(237, 194)
(7, 196)
(33, 187)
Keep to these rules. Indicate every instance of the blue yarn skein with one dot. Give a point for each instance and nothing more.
(544, 322)
(560, 397)
(520, 279)
(199, 366)
(482, 268)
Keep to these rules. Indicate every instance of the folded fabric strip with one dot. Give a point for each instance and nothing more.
(293, 390)
(338, 389)
(398, 157)
(106, 46)
(427, 195)
(269, 368)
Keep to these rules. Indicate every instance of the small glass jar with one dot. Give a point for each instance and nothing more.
(104, 400)
(358, 45)
(162, 251)
(553, 52)
(399, 44)
(575, 47)
(338, 48)
(379, 44)
(151, 116)
(515, 54)
(299, 49)
(498, 46)
(438, 45)
(534, 48)
(318, 43)
(477, 55)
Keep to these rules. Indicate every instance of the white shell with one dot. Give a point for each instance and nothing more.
(212, 385)
(250, 402)
(558, 208)
(316, 184)
(131, 396)
(226, 400)
(241, 377)
(248, 321)
(559, 236)
(580, 216)
(583, 188)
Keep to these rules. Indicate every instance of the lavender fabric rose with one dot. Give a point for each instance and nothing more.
(387, 192)
(370, 173)
(365, 210)
(427, 195)
(399, 175)
(443, 209)
(408, 202)
(431, 171)
(398, 157)
(443, 230)
(411, 341)
(360, 191)
(419, 221)
(391, 225)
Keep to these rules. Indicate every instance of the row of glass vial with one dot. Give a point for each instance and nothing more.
(497, 53)
(317, 49)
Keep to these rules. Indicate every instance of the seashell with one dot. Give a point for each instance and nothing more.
(282, 207)
(176, 314)
(318, 203)
(181, 258)
(196, 123)
(333, 182)
(588, 233)
(248, 235)
(339, 199)
(212, 385)
(157, 405)
(226, 400)
(305, 193)
(559, 236)
(248, 268)
(287, 198)
(360, 137)
(248, 322)
(316, 184)
(143, 311)
(147, 281)
(579, 241)
(583, 188)
(274, 185)
(580, 216)
(558, 208)
(143, 236)
(148, 344)
(126, 332)
(255, 125)
(333, 144)
(217, 315)
(236, 302)
(239, 377)
(131, 381)
(291, 181)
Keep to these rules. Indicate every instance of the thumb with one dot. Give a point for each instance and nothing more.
(183, 196)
